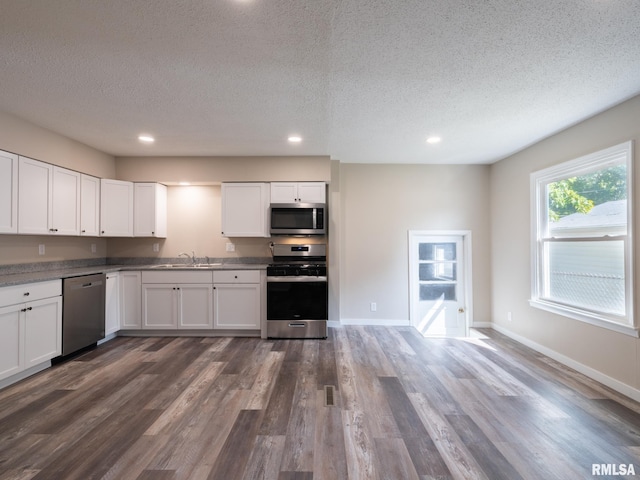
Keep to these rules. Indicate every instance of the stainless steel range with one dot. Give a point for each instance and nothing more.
(297, 292)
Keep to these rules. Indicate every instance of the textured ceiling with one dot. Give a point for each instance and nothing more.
(359, 80)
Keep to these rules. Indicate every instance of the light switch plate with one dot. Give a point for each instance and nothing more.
(41, 249)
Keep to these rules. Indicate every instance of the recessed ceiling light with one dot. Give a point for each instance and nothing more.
(433, 139)
(184, 184)
(294, 139)
(146, 138)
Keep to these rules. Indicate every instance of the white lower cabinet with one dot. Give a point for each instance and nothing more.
(159, 306)
(112, 304)
(11, 341)
(177, 300)
(237, 306)
(42, 331)
(201, 300)
(195, 306)
(30, 331)
(236, 299)
(129, 298)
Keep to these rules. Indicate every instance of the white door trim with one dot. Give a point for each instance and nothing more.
(468, 274)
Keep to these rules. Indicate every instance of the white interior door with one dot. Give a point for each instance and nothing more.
(437, 278)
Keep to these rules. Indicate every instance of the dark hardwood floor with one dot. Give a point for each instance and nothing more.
(404, 407)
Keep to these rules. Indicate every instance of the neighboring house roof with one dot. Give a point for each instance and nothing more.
(608, 214)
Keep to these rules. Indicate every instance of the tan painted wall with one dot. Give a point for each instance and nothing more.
(610, 353)
(24, 138)
(379, 205)
(193, 224)
(193, 215)
(29, 140)
(211, 170)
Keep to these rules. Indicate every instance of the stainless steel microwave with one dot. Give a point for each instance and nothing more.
(298, 218)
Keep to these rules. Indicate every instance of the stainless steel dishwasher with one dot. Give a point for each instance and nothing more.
(82, 311)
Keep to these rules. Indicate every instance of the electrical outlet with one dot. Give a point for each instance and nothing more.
(156, 247)
(231, 247)
(41, 249)
(93, 248)
(509, 316)
(374, 306)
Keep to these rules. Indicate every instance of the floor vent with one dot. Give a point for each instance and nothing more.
(329, 399)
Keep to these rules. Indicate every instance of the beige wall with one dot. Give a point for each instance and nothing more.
(208, 170)
(193, 224)
(26, 139)
(606, 352)
(379, 205)
(193, 217)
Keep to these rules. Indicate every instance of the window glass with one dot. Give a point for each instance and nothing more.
(582, 254)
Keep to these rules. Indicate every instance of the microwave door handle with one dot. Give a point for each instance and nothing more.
(313, 217)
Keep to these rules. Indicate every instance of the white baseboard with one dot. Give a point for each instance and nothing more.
(111, 336)
(592, 373)
(384, 322)
(24, 374)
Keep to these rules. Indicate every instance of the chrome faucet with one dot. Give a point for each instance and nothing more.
(192, 256)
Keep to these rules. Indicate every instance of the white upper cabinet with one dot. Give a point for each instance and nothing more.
(150, 210)
(89, 206)
(8, 192)
(298, 192)
(65, 209)
(245, 209)
(48, 199)
(116, 208)
(34, 196)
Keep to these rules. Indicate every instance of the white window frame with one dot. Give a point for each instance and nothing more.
(539, 180)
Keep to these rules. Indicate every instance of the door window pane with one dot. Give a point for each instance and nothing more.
(437, 251)
(430, 272)
(430, 292)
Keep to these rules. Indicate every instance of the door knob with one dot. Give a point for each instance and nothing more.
(461, 310)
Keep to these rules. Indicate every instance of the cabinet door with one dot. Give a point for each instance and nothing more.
(10, 340)
(298, 192)
(284, 192)
(150, 210)
(8, 193)
(112, 304)
(245, 208)
(236, 306)
(195, 306)
(312, 192)
(159, 306)
(42, 331)
(130, 298)
(89, 206)
(116, 208)
(34, 196)
(65, 209)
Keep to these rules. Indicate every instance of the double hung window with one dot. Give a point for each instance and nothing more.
(582, 254)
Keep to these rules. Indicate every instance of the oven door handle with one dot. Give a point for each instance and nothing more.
(296, 279)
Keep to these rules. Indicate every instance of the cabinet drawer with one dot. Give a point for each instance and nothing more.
(236, 276)
(183, 276)
(28, 292)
